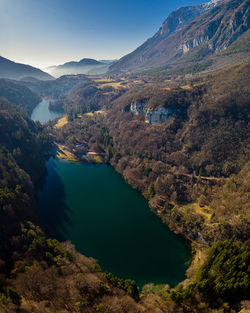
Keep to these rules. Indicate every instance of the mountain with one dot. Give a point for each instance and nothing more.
(204, 30)
(83, 62)
(84, 66)
(19, 95)
(12, 70)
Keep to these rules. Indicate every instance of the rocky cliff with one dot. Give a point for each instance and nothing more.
(152, 116)
(212, 27)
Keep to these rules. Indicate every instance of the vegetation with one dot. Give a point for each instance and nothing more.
(54, 89)
(182, 166)
(223, 278)
(21, 96)
(128, 285)
(189, 69)
(193, 169)
(61, 122)
(24, 148)
(25, 140)
(38, 273)
(225, 273)
(242, 44)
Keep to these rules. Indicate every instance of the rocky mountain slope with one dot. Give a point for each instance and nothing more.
(206, 29)
(12, 70)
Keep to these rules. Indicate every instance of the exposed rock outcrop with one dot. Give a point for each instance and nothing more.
(159, 115)
(152, 116)
(138, 107)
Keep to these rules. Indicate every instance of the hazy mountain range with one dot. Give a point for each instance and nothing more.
(84, 66)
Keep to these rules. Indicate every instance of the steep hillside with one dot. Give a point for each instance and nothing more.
(186, 149)
(182, 161)
(178, 147)
(23, 150)
(87, 96)
(38, 274)
(54, 88)
(22, 96)
(19, 135)
(209, 32)
(12, 70)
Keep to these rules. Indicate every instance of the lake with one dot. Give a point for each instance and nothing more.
(105, 218)
(42, 113)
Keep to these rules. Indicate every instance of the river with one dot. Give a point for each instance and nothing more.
(105, 218)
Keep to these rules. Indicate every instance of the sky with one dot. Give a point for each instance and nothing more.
(50, 32)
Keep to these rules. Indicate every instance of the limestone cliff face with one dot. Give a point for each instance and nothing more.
(213, 26)
(152, 116)
(221, 29)
(158, 116)
(138, 107)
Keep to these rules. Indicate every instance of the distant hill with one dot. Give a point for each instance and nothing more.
(19, 95)
(84, 66)
(12, 70)
(56, 88)
(83, 62)
(190, 35)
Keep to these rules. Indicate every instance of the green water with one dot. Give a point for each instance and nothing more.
(93, 207)
(105, 218)
(42, 113)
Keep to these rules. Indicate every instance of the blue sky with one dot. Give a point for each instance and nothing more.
(47, 32)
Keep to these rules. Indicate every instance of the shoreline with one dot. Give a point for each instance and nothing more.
(195, 247)
(184, 264)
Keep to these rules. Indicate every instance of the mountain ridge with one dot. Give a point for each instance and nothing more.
(82, 62)
(213, 26)
(13, 70)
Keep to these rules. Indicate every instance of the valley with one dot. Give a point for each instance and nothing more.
(94, 208)
(129, 230)
(125, 184)
(181, 188)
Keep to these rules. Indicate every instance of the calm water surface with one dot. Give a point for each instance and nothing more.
(42, 113)
(105, 218)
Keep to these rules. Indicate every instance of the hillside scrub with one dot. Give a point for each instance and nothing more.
(186, 160)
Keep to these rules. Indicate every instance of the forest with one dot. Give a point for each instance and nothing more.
(184, 166)
(193, 169)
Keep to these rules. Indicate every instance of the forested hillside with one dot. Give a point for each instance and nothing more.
(193, 167)
(13, 70)
(172, 118)
(37, 273)
(22, 96)
(180, 165)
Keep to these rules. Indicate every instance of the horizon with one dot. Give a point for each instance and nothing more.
(34, 37)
